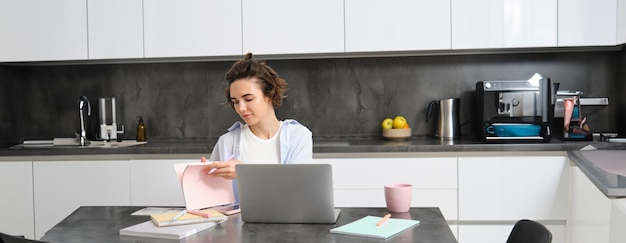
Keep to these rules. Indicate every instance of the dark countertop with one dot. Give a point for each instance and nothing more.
(102, 224)
(152, 147)
(611, 185)
(320, 145)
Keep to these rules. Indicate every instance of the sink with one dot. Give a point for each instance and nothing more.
(104, 144)
(73, 143)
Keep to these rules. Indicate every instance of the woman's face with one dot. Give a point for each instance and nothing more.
(249, 101)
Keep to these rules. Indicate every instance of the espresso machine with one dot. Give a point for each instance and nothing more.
(107, 117)
(514, 110)
(569, 115)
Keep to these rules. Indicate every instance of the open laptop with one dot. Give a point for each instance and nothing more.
(286, 193)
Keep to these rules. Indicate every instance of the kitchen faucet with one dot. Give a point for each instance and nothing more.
(81, 105)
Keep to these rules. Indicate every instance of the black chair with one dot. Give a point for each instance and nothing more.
(528, 231)
(4, 238)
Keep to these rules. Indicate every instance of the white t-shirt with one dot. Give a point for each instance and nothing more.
(255, 150)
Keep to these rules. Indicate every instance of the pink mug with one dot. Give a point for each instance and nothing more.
(398, 197)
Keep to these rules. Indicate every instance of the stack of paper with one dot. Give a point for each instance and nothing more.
(200, 191)
(185, 225)
(149, 229)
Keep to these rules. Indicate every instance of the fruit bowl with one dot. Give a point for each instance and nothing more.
(397, 134)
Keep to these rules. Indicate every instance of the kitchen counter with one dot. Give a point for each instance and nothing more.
(152, 147)
(605, 168)
(320, 145)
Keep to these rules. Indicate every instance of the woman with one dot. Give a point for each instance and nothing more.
(254, 90)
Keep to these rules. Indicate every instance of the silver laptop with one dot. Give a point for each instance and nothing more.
(286, 193)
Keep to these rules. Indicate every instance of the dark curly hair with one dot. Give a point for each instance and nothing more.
(272, 85)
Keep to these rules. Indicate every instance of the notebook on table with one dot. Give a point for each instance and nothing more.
(286, 193)
(187, 217)
(368, 227)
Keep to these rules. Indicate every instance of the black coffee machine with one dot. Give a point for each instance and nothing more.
(514, 111)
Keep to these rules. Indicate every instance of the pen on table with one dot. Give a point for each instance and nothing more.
(383, 220)
(229, 158)
(179, 215)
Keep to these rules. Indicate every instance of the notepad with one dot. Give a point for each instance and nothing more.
(148, 229)
(366, 227)
(209, 215)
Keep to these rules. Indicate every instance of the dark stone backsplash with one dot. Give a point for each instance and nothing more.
(333, 97)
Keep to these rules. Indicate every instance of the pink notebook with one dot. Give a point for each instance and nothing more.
(201, 190)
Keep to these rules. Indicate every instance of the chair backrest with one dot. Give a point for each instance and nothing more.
(528, 231)
(4, 238)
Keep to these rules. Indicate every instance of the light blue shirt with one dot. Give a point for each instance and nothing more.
(295, 141)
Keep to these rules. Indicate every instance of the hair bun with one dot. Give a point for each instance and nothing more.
(248, 56)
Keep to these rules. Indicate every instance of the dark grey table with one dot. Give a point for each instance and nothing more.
(102, 224)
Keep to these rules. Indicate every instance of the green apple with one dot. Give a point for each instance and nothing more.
(387, 123)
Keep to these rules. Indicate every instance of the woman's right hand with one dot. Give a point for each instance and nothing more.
(224, 169)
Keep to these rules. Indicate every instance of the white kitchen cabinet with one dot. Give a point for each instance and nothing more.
(293, 27)
(16, 207)
(590, 210)
(535, 187)
(359, 182)
(503, 23)
(621, 22)
(376, 25)
(496, 191)
(617, 234)
(42, 30)
(115, 29)
(153, 182)
(498, 233)
(593, 217)
(60, 187)
(484, 233)
(511, 188)
(587, 22)
(192, 28)
(480, 188)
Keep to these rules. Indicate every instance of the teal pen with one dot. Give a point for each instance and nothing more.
(229, 158)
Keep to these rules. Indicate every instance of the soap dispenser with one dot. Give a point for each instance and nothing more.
(141, 130)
